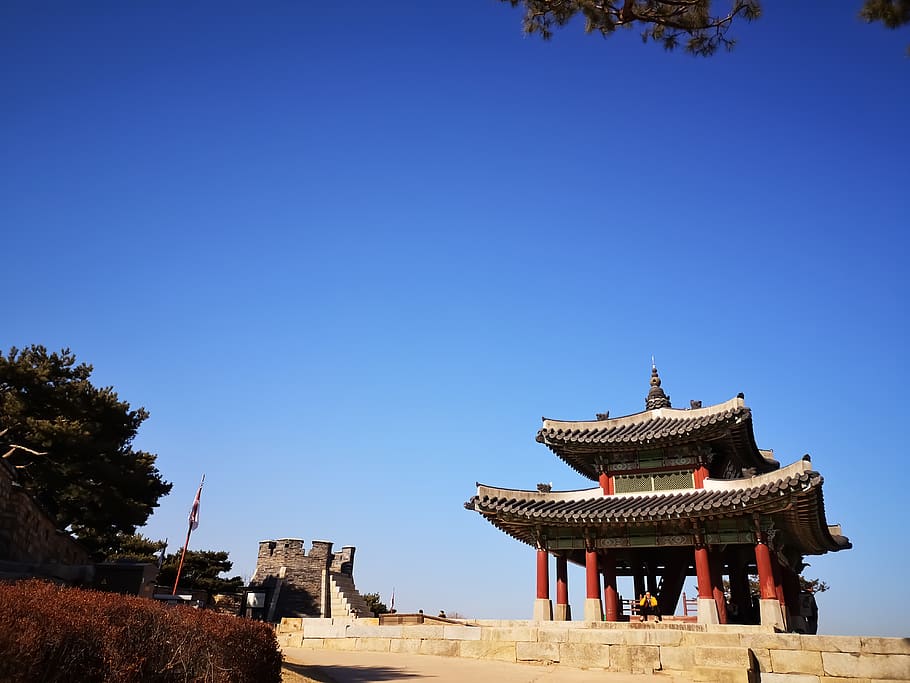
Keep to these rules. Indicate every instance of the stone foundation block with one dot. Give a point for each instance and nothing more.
(366, 631)
(887, 667)
(543, 610)
(636, 659)
(422, 631)
(515, 633)
(677, 658)
(723, 657)
(796, 662)
(290, 624)
(405, 646)
(789, 678)
(829, 679)
(885, 646)
(711, 675)
(584, 655)
(442, 648)
(498, 650)
(324, 629)
(601, 636)
(773, 641)
(553, 635)
(711, 639)
(831, 643)
(343, 644)
(461, 632)
(537, 652)
(374, 644)
(762, 658)
(669, 637)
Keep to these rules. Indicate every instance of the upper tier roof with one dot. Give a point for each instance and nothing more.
(726, 427)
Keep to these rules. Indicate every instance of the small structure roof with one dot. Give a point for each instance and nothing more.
(793, 494)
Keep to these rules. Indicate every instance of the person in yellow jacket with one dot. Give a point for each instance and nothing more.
(648, 605)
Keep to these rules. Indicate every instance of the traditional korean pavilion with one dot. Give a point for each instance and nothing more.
(681, 492)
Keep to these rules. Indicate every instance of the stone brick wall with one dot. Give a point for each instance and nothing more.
(303, 575)
(699, 652)
(27, 533)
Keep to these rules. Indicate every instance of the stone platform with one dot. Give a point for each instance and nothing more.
(700, 652)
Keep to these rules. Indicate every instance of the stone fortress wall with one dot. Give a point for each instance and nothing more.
(318, 583)
(696, 652)
(27, 533)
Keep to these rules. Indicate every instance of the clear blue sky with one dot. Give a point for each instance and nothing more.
(347, 254)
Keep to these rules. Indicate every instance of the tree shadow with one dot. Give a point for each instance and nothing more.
(355, 674)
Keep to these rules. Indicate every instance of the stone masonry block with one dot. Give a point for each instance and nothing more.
(537, 652)
(290, 624)
(311, 644)
(829, 679)
(677, 658)
(711, 639)
(343, 644)
(789, 678)
(772, 641)
(662, 637)
(405, 646)
(552, 635)
(723, 657)
(499, 650)
(422, 631)
(796, 662)
(831, 643)
(442, 648)
(584, 655)
(321, 629)
(885, 646)
(636, 659)
(461, 632)
(374, 644)
(888, 667)
(598, 636)
(365, 631)
(708, 674)
(517, 634)
(762, 658)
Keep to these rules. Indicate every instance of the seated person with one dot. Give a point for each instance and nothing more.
(648, 605)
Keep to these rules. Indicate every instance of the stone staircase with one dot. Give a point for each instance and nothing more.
(344, 599)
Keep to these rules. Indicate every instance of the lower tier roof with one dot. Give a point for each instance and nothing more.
(791, 495)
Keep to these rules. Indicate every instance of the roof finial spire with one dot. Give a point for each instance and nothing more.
(656, 396)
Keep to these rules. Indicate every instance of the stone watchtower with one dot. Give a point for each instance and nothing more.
(315, 584)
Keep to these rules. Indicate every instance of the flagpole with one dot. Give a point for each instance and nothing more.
(194, 514)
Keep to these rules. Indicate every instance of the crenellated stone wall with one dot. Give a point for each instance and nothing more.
(300, 578)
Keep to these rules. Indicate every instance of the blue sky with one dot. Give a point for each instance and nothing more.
(348, 254)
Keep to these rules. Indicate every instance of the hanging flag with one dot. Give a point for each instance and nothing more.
(161, 554)
(392, 602)
(194, 512)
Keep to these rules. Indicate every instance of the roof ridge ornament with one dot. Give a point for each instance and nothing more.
(656, 396)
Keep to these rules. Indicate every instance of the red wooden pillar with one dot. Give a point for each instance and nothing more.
(611, 595)
(562, 580)
(717, 587)
(703, 572)
(699, 476)
(543, 575)
(606, 483)
(592, 582)
(777, 573)
(766, 586)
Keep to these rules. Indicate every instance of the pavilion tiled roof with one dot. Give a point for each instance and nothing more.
(795, 489)
(727, 424)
